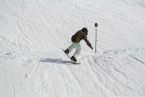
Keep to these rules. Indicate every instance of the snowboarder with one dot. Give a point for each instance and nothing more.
(76, 38)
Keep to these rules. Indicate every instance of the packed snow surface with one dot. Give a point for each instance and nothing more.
(34, 32)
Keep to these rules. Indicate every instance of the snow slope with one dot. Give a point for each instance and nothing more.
(33, 32)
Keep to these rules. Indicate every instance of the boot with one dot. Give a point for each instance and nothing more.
(73, 59)
(66, 51)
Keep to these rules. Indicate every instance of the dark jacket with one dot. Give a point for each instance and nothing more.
(78, 36)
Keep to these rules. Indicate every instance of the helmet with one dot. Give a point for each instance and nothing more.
(85, 30)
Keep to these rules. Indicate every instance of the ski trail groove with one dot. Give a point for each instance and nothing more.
(93, 73)
(137, 59)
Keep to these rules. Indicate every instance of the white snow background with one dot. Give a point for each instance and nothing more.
(34, 32)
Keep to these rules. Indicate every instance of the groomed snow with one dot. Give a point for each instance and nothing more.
(34, 32)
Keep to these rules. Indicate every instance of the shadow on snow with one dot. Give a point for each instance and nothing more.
(57, 61)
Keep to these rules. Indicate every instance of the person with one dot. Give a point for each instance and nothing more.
(76, 38)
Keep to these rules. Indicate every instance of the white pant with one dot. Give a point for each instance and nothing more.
(77, 46)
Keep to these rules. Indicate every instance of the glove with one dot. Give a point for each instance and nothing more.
(91, 47)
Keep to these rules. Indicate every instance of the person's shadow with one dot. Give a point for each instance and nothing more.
(58, 61)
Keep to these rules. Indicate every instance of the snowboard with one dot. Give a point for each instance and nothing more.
(71, 61)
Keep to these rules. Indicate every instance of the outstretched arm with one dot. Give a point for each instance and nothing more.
(88, 43)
